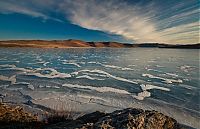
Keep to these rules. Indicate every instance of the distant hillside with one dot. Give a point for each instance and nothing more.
(188, 46)
(78, 43)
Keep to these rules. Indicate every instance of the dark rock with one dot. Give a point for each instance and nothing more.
(122, 119)
(92, 117)
(129, 118)
(15, 114)
(136, 119)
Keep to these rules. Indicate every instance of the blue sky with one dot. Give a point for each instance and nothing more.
(20, 26)
(133, 21)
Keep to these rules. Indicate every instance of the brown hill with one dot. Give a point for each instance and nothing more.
(44, 44)
(57, 44)
(78, 43)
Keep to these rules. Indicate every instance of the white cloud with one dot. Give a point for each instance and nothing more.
(137, 22)
(187, 33)
(114, 17)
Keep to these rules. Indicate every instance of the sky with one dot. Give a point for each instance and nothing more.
(128, 21)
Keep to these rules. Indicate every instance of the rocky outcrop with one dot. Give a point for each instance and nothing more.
(15, 114)
(130, 118)
(14, 117)
(122, 119)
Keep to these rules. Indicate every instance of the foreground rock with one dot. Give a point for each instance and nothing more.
(16, 118)
(122, 119)
(15, 114)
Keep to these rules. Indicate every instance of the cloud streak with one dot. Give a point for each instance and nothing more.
(175, 22)
(113, 17)
(135, 22)
(27, 8)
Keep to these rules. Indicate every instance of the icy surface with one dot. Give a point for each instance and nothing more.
(105, 79)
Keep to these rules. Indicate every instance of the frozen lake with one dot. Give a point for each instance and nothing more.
(106, 79)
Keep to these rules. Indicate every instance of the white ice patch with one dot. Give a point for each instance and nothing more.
(56, 87)
(70, 62)
(142, 95)
(31, 87)
(148, 87)
(7, 65)
(22, 83)
(107, 74)
(99, 89)
(88, 77)
(116, 67)
(13, 67)
(132, 65)
(4, 59)
(145, 93)
(12, 79)
(81, 62)
(111, 66)
(40, 62)
(159, 66)
(151, 61)
(172, 74)
(9, 61)
(159, 71)
(54, 73)
(92, 74)
(45, 64)
(169, 81)
(52, 87)
(92, 62)
(40, 86)
(186, 68)
(22, 69)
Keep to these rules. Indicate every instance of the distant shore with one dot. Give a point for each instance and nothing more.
(82, 44)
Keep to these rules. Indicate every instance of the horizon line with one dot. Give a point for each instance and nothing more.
(98, 41)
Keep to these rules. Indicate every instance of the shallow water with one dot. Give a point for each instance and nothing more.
(106, 79)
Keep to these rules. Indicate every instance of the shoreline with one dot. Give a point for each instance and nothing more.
(83, 44)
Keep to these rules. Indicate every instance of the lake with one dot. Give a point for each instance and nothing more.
(105, 79)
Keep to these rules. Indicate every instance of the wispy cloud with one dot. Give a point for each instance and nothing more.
(27, 8)
(174, 22)
(114, 17)
(188, 33)
(133, 21)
